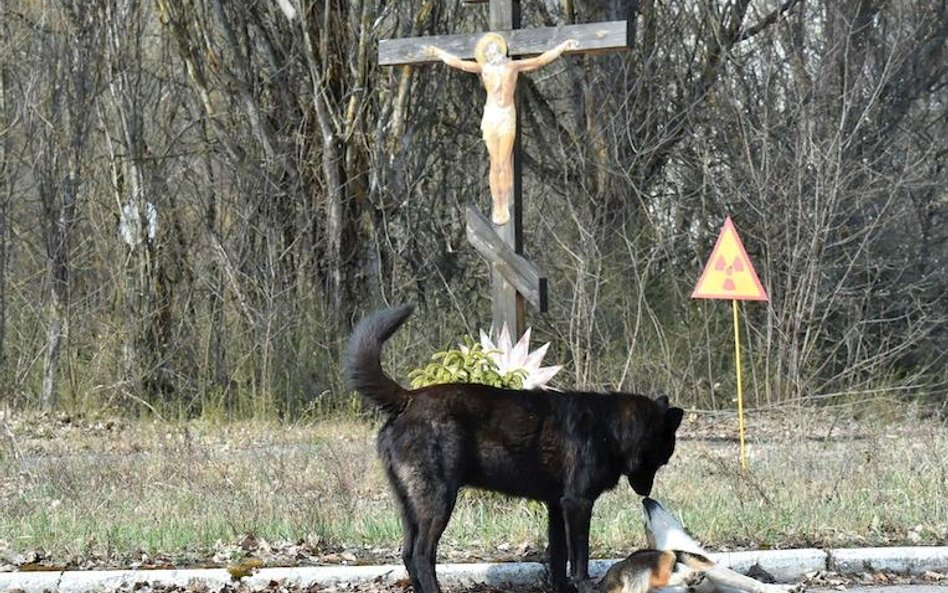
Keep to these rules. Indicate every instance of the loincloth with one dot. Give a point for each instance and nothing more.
(499, 121)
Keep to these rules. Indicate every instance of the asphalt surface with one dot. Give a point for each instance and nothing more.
(888, 589)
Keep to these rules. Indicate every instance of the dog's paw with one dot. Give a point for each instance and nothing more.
(694, 581)
(585, 586)
(696, 578)
(564, 587)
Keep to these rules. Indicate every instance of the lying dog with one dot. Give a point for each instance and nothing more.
(676, 563)
(563, 449)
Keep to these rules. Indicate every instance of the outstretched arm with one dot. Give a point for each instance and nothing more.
(452, 60)
(546, 57)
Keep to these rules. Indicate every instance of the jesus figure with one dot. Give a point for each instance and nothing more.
(499, 123)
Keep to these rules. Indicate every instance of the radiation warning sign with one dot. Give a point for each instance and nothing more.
(729, 273)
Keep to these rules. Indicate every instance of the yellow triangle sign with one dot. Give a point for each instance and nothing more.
(729, 273)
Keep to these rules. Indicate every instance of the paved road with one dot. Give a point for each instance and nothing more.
(887, 589)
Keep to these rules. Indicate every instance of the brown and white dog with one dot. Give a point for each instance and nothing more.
(676, 563)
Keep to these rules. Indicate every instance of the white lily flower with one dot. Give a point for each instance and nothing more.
(511, 357)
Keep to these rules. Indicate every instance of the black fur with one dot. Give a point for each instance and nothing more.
(563, 449)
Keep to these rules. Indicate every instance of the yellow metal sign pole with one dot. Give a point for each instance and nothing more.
(740, 388)
(730, 275)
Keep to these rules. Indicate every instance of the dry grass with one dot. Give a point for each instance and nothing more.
(115, 493)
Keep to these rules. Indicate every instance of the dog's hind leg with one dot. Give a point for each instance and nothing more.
(435, 511)
(425, 515)
(408, 553)
(420, 474)
(409, 525)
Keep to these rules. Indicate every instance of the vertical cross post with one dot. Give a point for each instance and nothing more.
(506, 303)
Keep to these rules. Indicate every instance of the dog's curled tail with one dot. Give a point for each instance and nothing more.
(363, 365)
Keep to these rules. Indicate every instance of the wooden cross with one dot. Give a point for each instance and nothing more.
(514, 279)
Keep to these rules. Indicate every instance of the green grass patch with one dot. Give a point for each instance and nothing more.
(192, 491)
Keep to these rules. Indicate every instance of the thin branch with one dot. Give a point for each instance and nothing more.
(768, 20)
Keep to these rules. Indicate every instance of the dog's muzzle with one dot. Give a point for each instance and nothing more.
(642, 486)
(651, 505)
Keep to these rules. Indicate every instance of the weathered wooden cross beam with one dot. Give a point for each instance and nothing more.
(520, 42)
(514, 279)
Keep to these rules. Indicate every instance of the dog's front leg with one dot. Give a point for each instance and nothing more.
(558, 547)
(577, 512)
(725, 580)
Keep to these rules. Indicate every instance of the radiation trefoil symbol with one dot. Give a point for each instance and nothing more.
(729, 273)
(737, 266)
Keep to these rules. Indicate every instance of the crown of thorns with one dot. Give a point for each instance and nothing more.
(483, 42)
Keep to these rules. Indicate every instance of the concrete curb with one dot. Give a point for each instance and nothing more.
(784, 565)
(900, 560)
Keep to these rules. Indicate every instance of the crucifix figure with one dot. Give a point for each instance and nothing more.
(515, 280)
(499, 123)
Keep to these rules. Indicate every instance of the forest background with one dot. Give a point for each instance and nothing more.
(198, 198)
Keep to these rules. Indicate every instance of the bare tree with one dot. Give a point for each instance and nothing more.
(6, 181)
(133, 97)
(224, 186)
(68, 45)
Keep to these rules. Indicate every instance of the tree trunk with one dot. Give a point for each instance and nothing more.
(57, 328)
(6, 190)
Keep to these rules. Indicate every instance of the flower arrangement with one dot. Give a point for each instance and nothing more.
(501, 364)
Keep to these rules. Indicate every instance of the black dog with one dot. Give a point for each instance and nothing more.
(563, 449)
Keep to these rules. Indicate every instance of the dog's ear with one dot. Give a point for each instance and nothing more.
(673, 418)
(662, 401)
